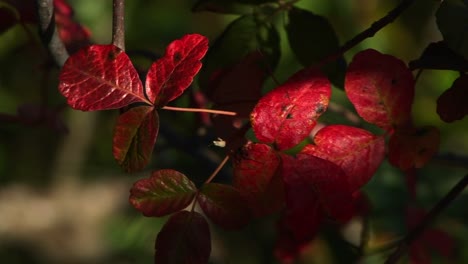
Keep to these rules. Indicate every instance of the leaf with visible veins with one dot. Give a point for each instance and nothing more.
(185, 238)
(134, 137)
(100, 77)
(381, 88)
(169, 76)
(287, 115)
(165, 192)
(358, 152)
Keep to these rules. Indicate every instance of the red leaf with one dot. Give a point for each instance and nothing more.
(72, 34)
(185, 238)
(287, 247)
(165, 192)
(413, 147)
(358, 152)
(286, 115)
(314, 188)
(453, 103)
(224, 205)
(169, 76)
(134, 137)
(257, 179)
(100, 77)
(381, 88)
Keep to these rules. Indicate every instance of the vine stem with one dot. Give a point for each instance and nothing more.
(199, 110)
(118, 24)
(220, 166)
(49, 33)
(428, 219)
(369, 32)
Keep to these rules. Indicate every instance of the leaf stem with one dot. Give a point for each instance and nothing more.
(220, 166)
(118, 24)
(49, 33)
(369, 32)
(199, 110)
(428, 219)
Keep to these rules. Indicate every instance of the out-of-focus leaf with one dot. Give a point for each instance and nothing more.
(381, 89)
(453, 103)
(8, 18)
(312, 39)
(224, 205)
(314, 188)
(134, 137)
(286, 246)
(413, 147)
(169, 76)
(237, 89)
(287, 115)
(100, 77)
(243, 36)
(452, 20)
(73, 35)
(256, 178)
(222, 7)
(185, 238)
(358, 152)
(439, 56)
(165, 192)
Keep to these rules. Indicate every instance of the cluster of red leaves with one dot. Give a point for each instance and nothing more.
(317, 185)
(71, 33)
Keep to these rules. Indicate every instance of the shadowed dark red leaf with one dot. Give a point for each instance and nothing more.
(358, 152)
(439, 56)
(165, 192)
(287, 115)
(100, 77)
(224, 205)
(7, 18)
(286, 247)
(453, 103)
(314, 188)
(169, 76)
(413, 147)
(185, 238)
(381, 89)
(256, 178)
(134, 137)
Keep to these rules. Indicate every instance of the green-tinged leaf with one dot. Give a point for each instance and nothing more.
(312, 39)
(134, 137)
(184, 239)
(241, 37)
(224, 205)
(452, 20)
(165, 192)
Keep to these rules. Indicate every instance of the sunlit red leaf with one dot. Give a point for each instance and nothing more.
(165, 192)
(257, 179)
(185, 238)
(100, 77)
(453, 103)
(381, 88)
(315, 188)
(224, 205)
(413, 147)
(134, 137)
(286, 115)
(169, 76)
(358, 152)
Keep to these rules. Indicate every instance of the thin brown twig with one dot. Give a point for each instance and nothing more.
(199, 110)
(118, 24)
(49, 33)
(428, 219)
(370, 32)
